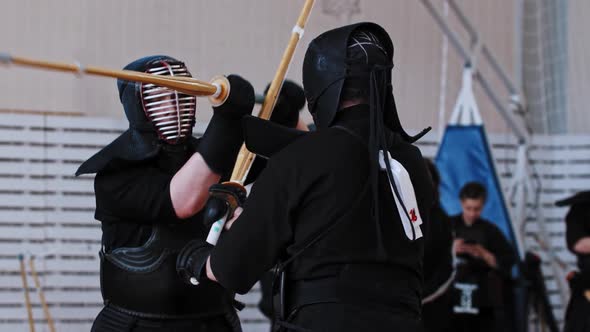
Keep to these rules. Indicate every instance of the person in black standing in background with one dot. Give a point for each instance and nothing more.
(289, 104)
(151, 183)
(484, 261)
(340, 208)
(577, 318)
(438, 264)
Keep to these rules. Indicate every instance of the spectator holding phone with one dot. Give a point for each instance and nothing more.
(483, 259)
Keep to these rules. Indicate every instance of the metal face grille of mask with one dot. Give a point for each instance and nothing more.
(171, 112)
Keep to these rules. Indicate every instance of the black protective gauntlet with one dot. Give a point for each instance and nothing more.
(223, 137)
(224, 198)
(191, 263)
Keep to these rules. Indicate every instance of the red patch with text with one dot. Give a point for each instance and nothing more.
(413, 216)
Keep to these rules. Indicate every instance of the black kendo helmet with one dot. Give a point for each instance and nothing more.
(148, 130)
(166, 112)
(334, 65)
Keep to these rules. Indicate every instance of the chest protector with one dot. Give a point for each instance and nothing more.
(143, 281)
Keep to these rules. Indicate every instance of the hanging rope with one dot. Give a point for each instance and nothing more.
(442, 100)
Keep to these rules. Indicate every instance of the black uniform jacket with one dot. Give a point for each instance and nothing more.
(490, 237)
(577, 317)
(490, 281)
(132, 200)
(308, 186)
(577, 227)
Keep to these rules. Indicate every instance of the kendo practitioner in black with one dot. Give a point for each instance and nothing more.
(577, 317)
(484, 262)
(438, 264)
(150, 184)
(341, 218)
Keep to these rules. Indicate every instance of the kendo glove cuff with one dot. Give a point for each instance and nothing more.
(223, 198)
(191, 263)
(221, 141)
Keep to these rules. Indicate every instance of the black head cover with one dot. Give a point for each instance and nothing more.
(343, 58)
(140, 141)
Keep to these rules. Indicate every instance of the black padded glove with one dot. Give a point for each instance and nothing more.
(192, 260)
(290, 101)
(221, 141)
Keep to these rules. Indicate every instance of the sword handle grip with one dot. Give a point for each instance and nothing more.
(216, 230)
(234, 195)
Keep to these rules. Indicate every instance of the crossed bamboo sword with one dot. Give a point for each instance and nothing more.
(46, 313)
(217, 90)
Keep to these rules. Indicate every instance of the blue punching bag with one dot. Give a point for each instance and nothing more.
(464, 156)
